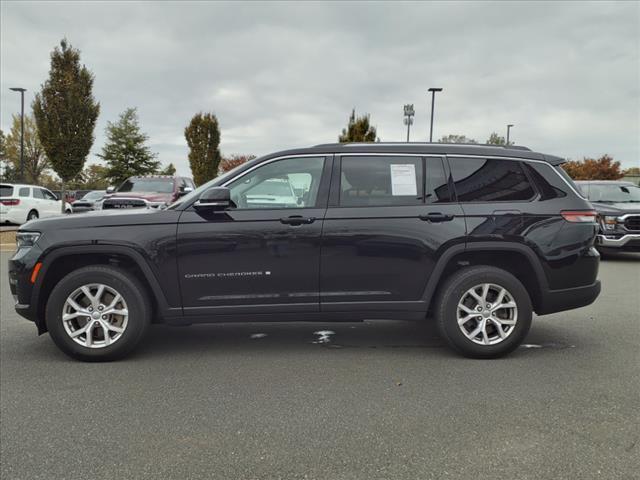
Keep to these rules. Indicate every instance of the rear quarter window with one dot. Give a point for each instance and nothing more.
(490, 180)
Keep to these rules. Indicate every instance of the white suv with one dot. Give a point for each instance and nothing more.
(21, 203)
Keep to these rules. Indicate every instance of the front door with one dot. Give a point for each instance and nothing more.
(389, 219)
(263, 255)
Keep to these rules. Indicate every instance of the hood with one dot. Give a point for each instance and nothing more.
(616, 208)
(150, 196)
(103, 219)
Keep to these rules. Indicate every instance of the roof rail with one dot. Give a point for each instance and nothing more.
(356, 144)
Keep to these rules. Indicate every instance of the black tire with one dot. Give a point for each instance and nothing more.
(32, 215)
(452, 292)
(133, 293)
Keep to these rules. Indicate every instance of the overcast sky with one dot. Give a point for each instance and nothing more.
(285, 75)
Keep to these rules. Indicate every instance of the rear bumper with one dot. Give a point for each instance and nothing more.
(560, 300)
(628, 241)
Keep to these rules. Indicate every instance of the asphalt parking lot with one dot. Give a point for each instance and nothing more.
(378, 400)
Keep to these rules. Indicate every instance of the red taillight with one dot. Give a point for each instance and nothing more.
(10, 202)
(579, 216)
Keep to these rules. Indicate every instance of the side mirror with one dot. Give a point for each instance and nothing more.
(111, 189)
(214, 198)
(184, 190)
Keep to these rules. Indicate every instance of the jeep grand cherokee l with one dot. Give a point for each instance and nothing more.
(476, 237)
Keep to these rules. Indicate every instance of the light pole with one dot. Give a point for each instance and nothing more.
(508, 131)
(21, 90)
(409, 112)
(433, 100)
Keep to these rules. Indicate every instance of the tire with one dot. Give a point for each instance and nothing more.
(498, 338)
(67, 211)
(32, 215)
(134, 301)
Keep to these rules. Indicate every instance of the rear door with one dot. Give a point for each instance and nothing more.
(389, 219)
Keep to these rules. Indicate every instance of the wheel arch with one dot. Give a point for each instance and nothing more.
(515, 258)
(61, 261)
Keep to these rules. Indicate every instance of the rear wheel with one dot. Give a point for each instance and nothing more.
(98, 313)
(483, 312)
(33, 215)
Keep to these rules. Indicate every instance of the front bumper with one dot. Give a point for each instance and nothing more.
(629, 241)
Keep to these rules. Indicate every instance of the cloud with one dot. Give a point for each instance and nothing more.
(280, 75)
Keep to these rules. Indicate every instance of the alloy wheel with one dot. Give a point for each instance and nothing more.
(95, 315)
(487, 314)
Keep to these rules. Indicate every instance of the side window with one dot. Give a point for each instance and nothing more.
(437, 189)
(490, 180)
(547, 191)
(381, 181)
(191, 184)
(48, 195)
(289, 183)
(24, 192)
(37, 193)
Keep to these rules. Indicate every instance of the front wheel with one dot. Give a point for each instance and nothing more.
(483, 312)
(98, 313)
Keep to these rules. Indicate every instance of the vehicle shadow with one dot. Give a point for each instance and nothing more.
(290, 337)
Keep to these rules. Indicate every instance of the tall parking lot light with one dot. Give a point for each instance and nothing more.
(409, 112)
(508, 131)
(21, 90)
(433, 91)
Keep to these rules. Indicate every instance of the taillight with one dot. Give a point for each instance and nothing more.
(579, 216)
(10, 202)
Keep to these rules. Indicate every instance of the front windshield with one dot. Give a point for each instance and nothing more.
(95, 195)
(614, 193)
(156, 185)
(216, 181)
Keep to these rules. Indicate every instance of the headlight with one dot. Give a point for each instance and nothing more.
(26, 239)
(609, 222)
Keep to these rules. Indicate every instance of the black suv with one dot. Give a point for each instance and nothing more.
(476, 237)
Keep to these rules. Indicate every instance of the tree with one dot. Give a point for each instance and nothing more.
(603, 168)
(495, 139)
(233, 161)
(453, 138)
(66, 113)
(125, 151)
(7, 172)
(203, 137)
(358, 130)
(35, 160)
(168, 170)
(93, 177)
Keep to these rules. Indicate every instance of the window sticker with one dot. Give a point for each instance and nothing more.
(403, 179)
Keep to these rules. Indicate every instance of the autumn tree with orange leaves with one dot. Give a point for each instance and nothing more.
(603, 168)
(233, 161)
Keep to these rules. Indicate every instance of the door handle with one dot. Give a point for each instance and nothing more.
(436, 217)
(296, 220)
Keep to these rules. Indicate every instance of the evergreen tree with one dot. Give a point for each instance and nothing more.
(125, 151)
(66, 113)
(203, 137)
(168, 170)
(358, 130)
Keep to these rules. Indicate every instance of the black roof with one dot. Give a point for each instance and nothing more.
(425, 148)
